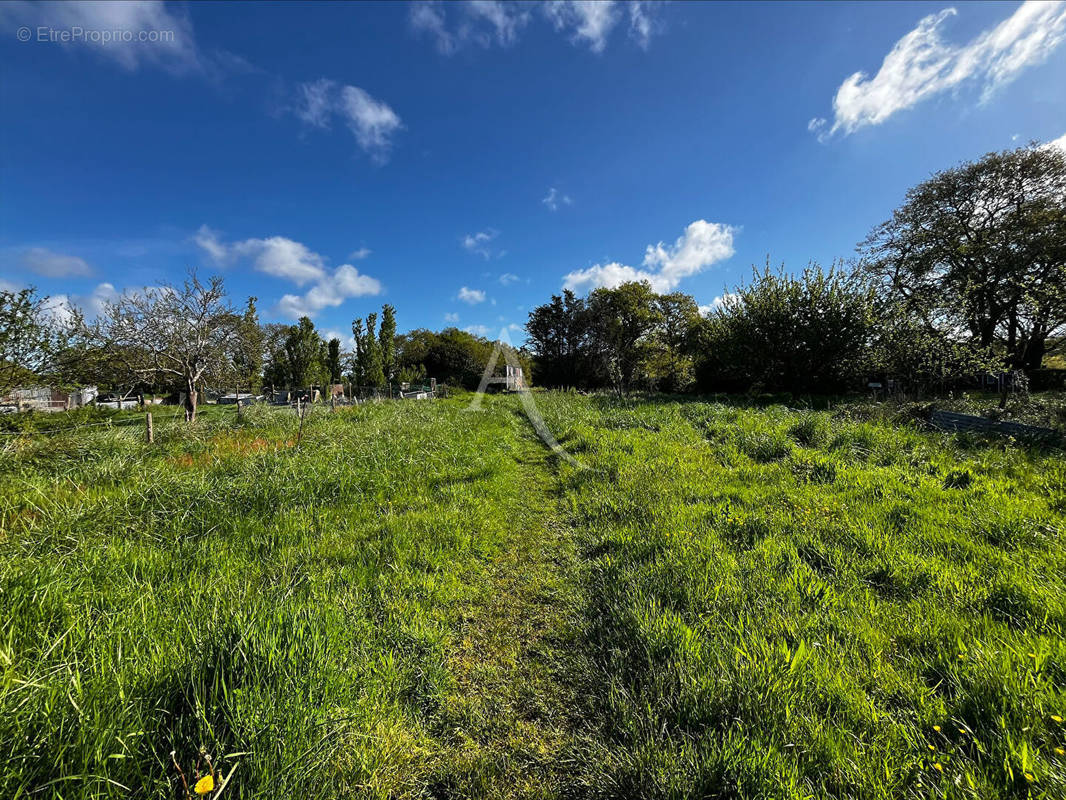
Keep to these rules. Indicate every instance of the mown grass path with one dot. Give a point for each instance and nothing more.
(512, 722)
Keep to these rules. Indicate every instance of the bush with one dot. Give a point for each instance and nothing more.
(813, 430)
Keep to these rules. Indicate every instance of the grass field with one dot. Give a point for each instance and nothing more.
(419, 600)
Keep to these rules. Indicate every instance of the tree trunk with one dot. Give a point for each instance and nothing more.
(190, 401)
(1034, 352)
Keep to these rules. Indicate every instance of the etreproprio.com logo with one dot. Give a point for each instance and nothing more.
(78, 34)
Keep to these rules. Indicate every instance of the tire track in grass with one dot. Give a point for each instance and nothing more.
(512, 723)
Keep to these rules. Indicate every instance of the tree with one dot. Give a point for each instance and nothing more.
(306, 354)
(359, 356)
(32, 334)
(186, 332)
(333, 360)
(671, 364)
(806, 333)
(451, 356)
(981, 248)
(921, 357)
(276, 370)
(250, 343)
(370, 351)
(621, 325)
(557, 333)
(387, 340)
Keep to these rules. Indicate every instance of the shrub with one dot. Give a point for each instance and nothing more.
(813, 430)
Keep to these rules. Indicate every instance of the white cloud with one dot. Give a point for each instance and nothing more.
(555, 198)
(701, 245)
(92, 304)
(207, 240)
(54, 265)
(471, 296)
(487, 23)
(174, 47)
(508, 278)
(717, 303)
(282, 258)
(103, 294)
(480, 22)
(346, 338)
(450, 317)
(589, 21)
(479, 242)
(371, 121)
(360, 254)
(315, 106)
(478, 330)
(641, 23)
(330, 291)
(294, 261)
(921, 65)
(1059, 143)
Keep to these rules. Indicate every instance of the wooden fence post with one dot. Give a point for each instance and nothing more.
(148, 433)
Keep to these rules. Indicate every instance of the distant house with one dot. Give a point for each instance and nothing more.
(516, 379)
(46, 398)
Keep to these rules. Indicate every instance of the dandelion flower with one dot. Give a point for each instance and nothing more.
(932, 748)
(938, 767)
(1056, 717)
(204, 785)
(1060, 751)
(962, 731)
(936, 728)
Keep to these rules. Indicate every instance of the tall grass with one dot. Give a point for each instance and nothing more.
(416, 600)
(870, 612)
(287, 609)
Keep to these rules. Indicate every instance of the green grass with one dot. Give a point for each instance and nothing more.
(418, 600)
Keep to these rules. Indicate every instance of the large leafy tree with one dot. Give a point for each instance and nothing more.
(185, 332)
(32, 334)
(557, 332)
(980, 250)
(622, 324)
(306, 354)
(810, 333)
(276, 370)
(671, 364)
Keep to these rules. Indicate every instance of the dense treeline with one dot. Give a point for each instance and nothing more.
(967, 277)
(185, 338)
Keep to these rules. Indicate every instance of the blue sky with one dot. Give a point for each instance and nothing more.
(463, 161)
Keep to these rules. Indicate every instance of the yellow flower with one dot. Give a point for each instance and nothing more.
(1056, 717)
(204, 785)
(1060, 751)
(962, 731)
(936, 728)
(931, 747)
(938, 767)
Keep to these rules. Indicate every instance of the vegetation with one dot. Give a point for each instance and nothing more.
(418, 600)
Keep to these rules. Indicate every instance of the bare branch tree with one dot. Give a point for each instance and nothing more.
(186, 332)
